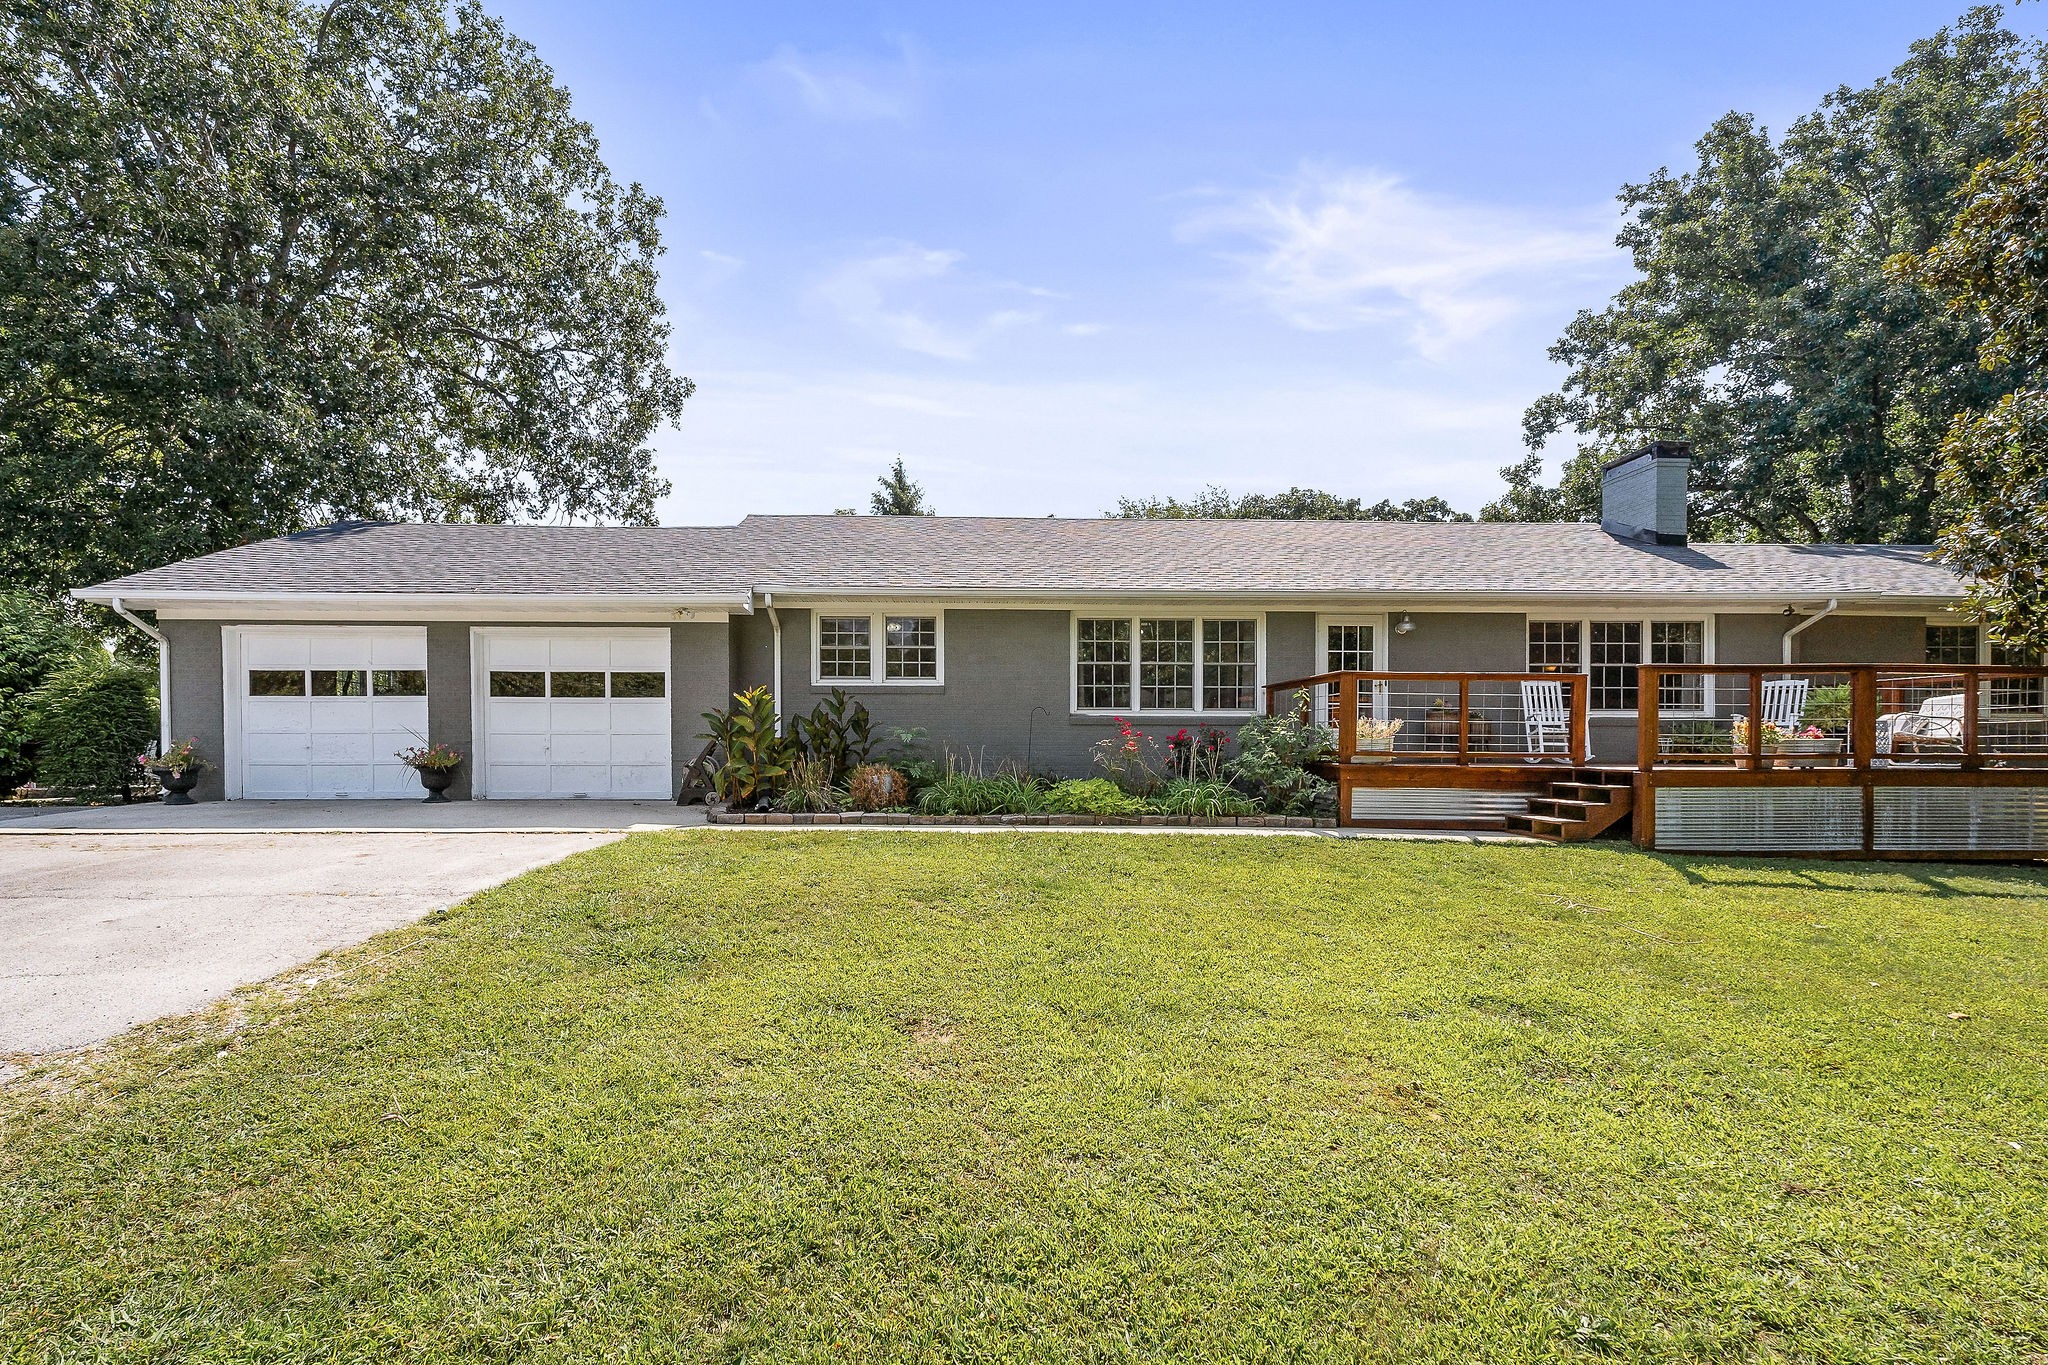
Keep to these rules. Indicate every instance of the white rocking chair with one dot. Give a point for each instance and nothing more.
(1785, 702)
(1546, 720)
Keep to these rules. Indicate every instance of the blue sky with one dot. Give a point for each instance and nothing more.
(1058, 254)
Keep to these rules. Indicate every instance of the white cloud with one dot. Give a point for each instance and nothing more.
(912, 297)
(848, 88)
(1339, 249)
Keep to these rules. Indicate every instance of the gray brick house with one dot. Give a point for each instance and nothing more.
(575, 661)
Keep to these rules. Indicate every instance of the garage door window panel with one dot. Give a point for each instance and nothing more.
(639, 686)
(518, 683)
(277, 682)
(341, 682)
(398, 682)
(581, 685)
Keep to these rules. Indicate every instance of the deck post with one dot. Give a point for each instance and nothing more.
(1863, 718)
(1971, 758)
(1346, 692)
(1464, 721)
(1755, 761)
(1582, 731)
(1648, 686)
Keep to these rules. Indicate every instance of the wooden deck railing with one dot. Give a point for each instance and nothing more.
(1964, 716)
(1466, 719)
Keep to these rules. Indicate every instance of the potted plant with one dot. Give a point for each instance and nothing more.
(436, 765)
(1827, 707)
(1807, 743)
(1375, 741)
(1802, 747)
(177, 771)
(1440, 726)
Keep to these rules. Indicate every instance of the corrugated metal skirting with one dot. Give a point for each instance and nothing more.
(1961, 819)
(1370, 804)
(1760, 819)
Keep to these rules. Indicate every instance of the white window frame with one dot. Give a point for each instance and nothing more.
(1985, 645)
(1379, 639)
(1585, 620)
(1201, 618)
(878, 644)
(1381, 646)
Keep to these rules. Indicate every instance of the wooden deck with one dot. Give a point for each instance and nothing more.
(1934, 762)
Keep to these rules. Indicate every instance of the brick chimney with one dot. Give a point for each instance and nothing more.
(1642, 496)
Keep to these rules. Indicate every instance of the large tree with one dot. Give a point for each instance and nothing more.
(1296, 504)
(1993, 267)
(264, 263)
(1763, 326)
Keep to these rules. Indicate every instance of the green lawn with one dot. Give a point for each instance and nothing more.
(863, 1096)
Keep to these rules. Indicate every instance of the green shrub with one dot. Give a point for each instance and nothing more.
(1185, 797)
(92, 722)
(757, 761)
(1092, 796)
(911, 757)
(837, 736)
(810, 789)
(1697, 737)
(1827, 707)
(962, 794)
(35, 641)
(1274, 756)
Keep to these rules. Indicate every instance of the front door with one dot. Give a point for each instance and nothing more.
(1348, 644)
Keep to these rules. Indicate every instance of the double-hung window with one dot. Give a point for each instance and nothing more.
(1949, 644)
(1608, 653)
(868, 647)
(1189, 664)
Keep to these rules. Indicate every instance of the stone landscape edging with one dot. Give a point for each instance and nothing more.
(720, 817)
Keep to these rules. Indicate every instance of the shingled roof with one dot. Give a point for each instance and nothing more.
(1014, 556)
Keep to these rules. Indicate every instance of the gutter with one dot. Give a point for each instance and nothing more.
(1823, 613)
(163, 669)
(775, 676)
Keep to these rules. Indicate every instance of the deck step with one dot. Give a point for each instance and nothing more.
(1575, 809)
(1593, 792)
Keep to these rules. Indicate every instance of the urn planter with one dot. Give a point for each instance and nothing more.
(178, 784)
(437, 781)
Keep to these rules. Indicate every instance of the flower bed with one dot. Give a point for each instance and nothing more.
(722, 817)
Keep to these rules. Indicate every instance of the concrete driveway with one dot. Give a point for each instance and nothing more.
(112, 917)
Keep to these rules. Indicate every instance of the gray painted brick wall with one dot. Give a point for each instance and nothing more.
(197, 702)
(1007, 680)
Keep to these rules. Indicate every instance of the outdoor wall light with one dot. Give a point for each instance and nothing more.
(1404, 625)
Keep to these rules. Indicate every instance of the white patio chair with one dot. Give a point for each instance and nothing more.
(1785, 702)
(1938, 724)
(1545, 720)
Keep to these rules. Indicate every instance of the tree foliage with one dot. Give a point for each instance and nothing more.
(36, 639)
(896, 496)
(265, 263)
(1993, 267)
(92, 720)
(1296, 504)
(1813, 385)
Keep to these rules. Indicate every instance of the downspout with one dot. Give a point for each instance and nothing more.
(163, 672)
(1825, 611)
(775, 677)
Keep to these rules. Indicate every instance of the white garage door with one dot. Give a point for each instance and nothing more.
(575, 713)
(325, 712)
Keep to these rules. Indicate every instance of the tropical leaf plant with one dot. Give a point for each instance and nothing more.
(758, 761)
